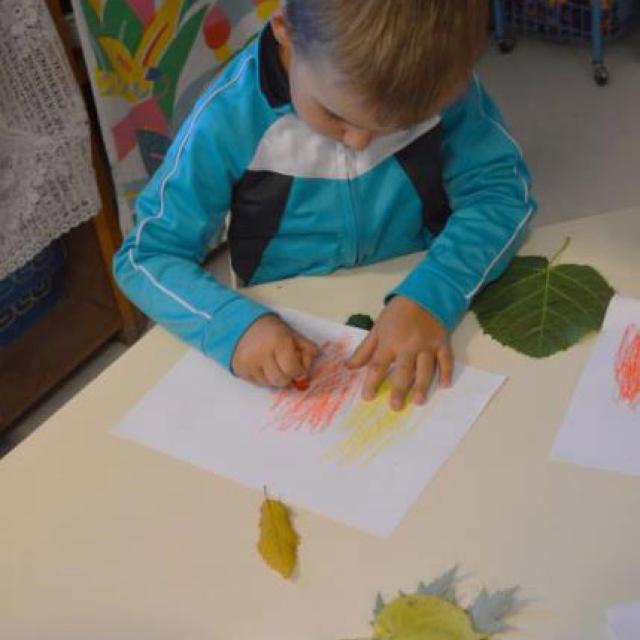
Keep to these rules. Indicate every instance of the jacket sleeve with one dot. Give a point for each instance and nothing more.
(488, 186)
(178, 213)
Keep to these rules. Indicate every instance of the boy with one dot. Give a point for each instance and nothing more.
(351, 131)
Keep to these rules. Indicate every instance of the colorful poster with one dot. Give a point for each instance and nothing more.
(148, 61)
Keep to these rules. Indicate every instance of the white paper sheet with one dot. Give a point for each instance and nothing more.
(323, 449)
(602, 427)
(624, 621)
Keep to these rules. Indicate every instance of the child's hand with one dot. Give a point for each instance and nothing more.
(272, 354)
(411, 339)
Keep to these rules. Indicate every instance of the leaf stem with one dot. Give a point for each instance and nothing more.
(563, 248)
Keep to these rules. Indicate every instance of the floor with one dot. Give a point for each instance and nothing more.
(582, 143)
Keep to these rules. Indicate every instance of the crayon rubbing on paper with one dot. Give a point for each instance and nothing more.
(331, 387)
(373, 427)
(627, 366)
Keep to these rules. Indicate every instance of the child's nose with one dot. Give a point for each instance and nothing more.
(357, 139)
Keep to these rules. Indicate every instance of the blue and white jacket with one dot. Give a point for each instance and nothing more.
(302, 204)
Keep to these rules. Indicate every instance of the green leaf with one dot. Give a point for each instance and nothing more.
(120, 21)
(489, 610)
(538, 308)
(361, 321)
(173, 61)
(424, 617)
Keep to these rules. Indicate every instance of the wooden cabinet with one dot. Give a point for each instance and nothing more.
(92, 311)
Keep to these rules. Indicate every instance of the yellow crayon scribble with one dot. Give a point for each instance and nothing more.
(373, 426)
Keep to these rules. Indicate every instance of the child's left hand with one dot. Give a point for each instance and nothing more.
(411, 339)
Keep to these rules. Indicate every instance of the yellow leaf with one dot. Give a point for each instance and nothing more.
(158, 34)
(279, 541)
(424, 617)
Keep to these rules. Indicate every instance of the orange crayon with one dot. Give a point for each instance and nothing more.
(302, 384)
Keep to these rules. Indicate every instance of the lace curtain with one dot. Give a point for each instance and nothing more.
(47, 184)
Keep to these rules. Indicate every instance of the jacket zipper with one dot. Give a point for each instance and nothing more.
(349, 158)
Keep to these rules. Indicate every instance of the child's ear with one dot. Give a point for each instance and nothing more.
(281, 29)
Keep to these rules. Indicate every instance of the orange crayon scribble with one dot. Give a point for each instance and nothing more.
(329, 387)
(627, 366)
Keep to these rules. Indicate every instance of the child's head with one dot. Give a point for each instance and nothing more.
(360, 68)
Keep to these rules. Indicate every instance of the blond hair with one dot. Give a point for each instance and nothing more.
(406, 58)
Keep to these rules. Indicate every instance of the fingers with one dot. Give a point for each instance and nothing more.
(288, 357)
(255, 375)
(274, 376)
(258, 377)
(402, 380)
(291, 359)
(376, 373)
(446, 364)
(309, 351)
(364, 352)
(425, 367)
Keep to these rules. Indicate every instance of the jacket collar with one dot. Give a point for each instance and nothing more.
(274, 81)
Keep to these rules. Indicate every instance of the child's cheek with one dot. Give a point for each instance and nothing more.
(327, 128)
(319, 122)
(314, 116)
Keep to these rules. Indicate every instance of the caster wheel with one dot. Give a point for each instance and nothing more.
(600, 74)
(507, 45)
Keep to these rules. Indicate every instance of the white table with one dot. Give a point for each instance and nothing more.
(101, 538)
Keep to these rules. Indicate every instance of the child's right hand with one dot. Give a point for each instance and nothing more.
(272, 354)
